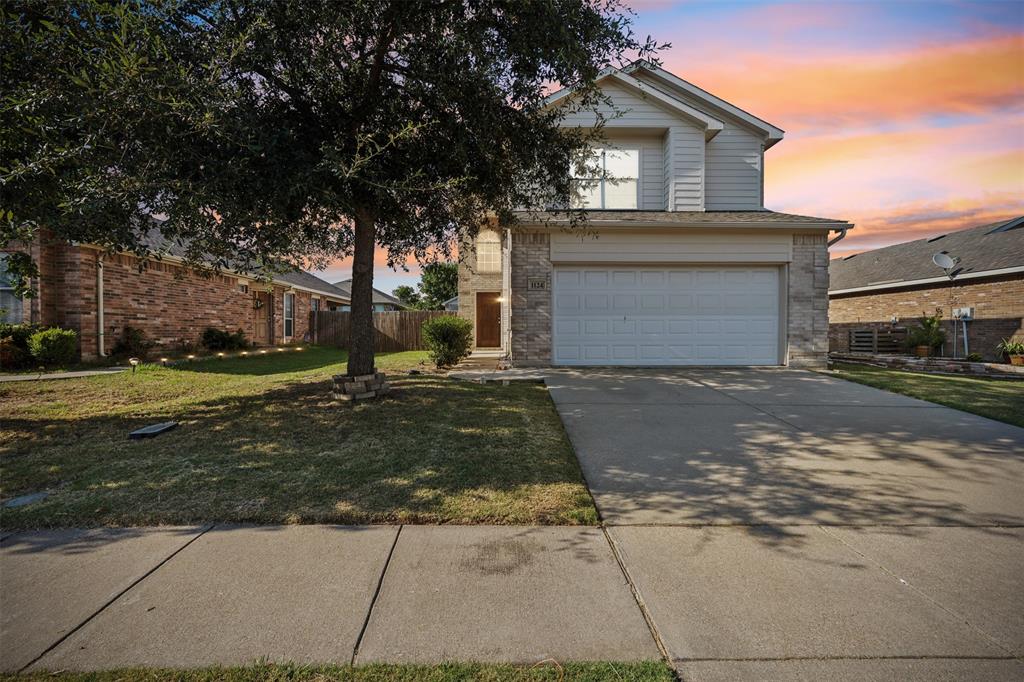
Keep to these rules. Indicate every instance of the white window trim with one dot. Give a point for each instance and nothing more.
(288, 314)
(603, 180)
(14, 316)
(491, 239)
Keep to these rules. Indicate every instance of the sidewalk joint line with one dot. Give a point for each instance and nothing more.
(752, 405)
(959, 616)
(117, 596)
(376, 593)
(648, 618)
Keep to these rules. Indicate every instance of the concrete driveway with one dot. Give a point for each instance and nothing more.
(782, 524)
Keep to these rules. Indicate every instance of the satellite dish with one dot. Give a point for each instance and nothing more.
(947, 263)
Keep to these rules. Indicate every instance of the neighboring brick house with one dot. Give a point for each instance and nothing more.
(679, 264)
(894, 286)
(97, 294)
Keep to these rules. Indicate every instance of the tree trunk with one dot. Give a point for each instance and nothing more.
(360, 352)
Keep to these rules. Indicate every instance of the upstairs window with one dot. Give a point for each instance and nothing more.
(609, 179)
(488, 252)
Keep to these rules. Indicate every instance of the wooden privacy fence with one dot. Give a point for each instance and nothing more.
(877, 340)
(393, 331)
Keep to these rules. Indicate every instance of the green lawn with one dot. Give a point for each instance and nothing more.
(648, 671)
(261, 441)
(1001, 399)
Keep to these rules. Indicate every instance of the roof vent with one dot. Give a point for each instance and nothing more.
(935, 239)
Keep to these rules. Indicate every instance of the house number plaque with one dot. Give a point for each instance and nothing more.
(537, 284)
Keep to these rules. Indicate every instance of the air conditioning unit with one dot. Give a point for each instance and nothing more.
(965, 314)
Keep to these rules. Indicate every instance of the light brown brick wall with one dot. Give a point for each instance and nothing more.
(807, 302)
(998, 312)
(471, 282)
(530, 310)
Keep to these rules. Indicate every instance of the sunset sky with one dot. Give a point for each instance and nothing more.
(906, 118)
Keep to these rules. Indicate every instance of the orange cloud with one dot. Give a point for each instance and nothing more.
(797, 89)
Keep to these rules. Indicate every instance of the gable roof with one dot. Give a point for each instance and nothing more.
(379, 297)
(984, 251)
(673, 85)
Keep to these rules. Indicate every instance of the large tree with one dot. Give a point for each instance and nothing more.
(438, 283)
(293, 130)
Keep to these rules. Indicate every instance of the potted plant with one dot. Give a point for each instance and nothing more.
(1013, 349)
(927, 336)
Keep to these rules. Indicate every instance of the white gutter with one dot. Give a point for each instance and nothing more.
(646, 225)
(930, 280)
(100, 325)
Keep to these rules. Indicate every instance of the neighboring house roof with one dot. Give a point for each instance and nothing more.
(761, 218)
(984, 251)
(379, 297)
(672, 91)
(156, 243)
(452, 303)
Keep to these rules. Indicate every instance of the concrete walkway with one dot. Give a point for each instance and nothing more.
(723, 603)
(46, 376)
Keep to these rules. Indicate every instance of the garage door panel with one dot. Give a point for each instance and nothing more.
(666, 316)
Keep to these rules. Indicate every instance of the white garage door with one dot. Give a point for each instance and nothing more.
(693, 315)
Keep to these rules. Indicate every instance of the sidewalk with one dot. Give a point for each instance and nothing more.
(46, 376)
(187, 597)
(720, 603)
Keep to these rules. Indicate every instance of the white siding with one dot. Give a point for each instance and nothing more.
(637, 111)
(678, 246)
(684, 168)
(733, 170)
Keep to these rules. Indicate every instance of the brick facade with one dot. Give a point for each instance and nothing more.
(472, 281)
(807, 302)
(998, 311)
(530, 310)
(172, 304)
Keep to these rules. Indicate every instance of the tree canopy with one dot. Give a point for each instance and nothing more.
(294, 130)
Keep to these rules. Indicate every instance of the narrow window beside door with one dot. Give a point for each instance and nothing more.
(289, 315)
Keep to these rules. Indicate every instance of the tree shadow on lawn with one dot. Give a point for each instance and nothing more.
(436, 451)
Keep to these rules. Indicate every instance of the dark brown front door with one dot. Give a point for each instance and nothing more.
(261, 324)
(488, 320)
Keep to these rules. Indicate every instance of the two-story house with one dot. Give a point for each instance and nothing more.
(680, 263)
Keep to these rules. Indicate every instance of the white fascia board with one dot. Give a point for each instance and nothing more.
(899, 284)
(773, 133)
(712, 126)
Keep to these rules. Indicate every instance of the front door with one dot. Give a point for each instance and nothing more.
(261, 328)
(488, 320)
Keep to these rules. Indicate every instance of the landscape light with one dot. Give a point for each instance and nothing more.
(264, 352)
(280, 349)
(245, 352)
(134, 362)
(220, 355)
(191, 357)
(299, 348)
(163, 361)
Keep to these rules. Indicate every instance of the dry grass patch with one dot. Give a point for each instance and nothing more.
(261, 441)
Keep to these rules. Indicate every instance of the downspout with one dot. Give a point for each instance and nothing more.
(839, 237)
(99, 305)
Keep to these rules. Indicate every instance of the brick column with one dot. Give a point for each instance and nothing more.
(530, 310)
(808, 302)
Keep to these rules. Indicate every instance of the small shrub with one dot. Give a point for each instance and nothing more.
(974, 357)
(448, 338)
(929, 332)
(14, 353)
(54, 347)
(133, 343)
(218, 339)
